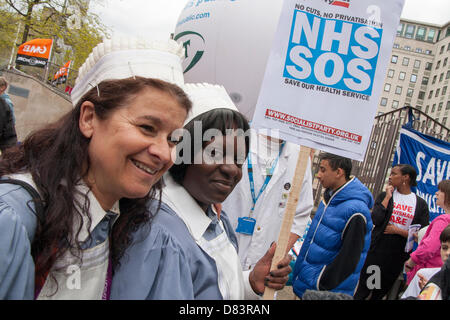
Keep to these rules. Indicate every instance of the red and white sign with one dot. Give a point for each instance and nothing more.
(402, 215)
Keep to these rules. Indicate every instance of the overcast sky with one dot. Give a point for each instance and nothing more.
(137, 17)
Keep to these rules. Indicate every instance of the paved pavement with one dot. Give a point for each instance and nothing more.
(286, 294)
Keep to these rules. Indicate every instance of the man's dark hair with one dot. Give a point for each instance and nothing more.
(337, 162)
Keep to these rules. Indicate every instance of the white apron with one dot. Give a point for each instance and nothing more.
(230, 277)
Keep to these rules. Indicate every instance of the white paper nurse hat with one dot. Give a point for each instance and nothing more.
(206, 97)
(121, 58)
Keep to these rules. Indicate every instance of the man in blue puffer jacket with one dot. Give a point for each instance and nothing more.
(338, 239)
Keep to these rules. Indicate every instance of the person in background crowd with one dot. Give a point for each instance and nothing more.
(423, 275)
(93, 170)
(438, 288)
(8, 136)
(5, 96)
(338, 239)
(394, 211)
(191, 249)
(427, 254)
(259, 200)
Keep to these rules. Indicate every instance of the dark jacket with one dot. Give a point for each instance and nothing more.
(8, 137)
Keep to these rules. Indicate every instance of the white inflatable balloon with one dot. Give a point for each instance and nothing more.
(228, 43)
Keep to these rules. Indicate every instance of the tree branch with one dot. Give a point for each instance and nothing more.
(10, 3)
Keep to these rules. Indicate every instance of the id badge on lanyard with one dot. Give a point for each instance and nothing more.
(246, 225)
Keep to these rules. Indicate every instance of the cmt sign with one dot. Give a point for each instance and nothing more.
(34, 53)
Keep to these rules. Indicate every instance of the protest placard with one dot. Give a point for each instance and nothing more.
(325, 73)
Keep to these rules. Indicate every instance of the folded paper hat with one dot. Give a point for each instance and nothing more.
(121, 58)
(206, 97)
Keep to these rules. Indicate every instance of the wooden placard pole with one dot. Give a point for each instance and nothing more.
(285, 230)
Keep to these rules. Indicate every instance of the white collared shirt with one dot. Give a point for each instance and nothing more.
(271, 205)
(233, 283)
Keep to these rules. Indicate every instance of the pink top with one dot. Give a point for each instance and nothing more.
(428, 253)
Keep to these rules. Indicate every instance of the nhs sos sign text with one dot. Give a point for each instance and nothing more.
(333, 53)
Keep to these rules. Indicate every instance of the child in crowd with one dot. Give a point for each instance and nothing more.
(421, 278)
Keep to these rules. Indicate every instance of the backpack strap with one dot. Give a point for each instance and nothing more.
(33, 193)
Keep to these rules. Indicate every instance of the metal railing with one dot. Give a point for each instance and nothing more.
(373, 170)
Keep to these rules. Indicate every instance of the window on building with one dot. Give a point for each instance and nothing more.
(428, 66)
(420, 35)
(442, 50)
(445, 62)
(400, 28)
(437, 92)
(441, 77)
(447, 33)
(417, 64)
(405, 61)
(448, 105)
(398, 90)
(410, 92)
(427, 108)
(390, 73)
(444, 121)
(407, 48)
(396, 46)
(383, 102)
(419, 50)
(447, 76)
(438, 64)
(401, 75)
(394, 59)
(428, 51)
(444, 90)
(448, 47)
(430, 94)
(440, 106)
(434, 79)
(425, 81)
(433, 108)
(419, 107)
(409, 32)
(387, 87)
(413, 78)
(421, 95)
(431, 34)
(394, 104)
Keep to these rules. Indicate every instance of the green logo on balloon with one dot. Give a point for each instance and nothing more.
(188, 36)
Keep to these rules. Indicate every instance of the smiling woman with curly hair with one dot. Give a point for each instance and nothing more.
(94, 170)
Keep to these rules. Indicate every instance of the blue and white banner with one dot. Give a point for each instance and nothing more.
(431, 159)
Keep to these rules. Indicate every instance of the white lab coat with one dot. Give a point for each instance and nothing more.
(271, 205)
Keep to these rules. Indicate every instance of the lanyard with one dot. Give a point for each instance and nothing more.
(107, 288)
(266, 181)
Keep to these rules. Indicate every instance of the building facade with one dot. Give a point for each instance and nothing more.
(419, 70)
